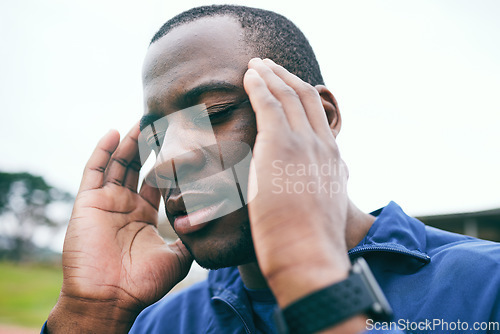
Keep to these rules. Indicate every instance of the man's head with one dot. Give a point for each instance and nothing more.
(269, 34)
(199, 58)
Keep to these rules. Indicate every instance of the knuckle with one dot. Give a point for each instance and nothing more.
(331, 145)
(271, 103)
(307, 141)
(298, 144)
(308, 90)
(135, 165)
(121, 161)
(317, 147)
(287, 91)
(114, 181)
(334, 149)
(99, 169)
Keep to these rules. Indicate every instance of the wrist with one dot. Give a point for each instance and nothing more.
(296, 282)
(84, 315)
(337, 305)
(298, 271)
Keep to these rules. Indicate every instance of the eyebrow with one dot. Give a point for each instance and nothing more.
(192, 97)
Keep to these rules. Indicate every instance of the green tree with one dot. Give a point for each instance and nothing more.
(25, 200)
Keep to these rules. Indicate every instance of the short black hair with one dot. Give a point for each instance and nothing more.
(270, 34)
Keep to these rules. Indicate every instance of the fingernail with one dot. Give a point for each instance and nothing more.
(251, 71)
(254, 60)
(109, 132)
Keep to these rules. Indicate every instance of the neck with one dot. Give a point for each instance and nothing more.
(357, 226)
(252, 277)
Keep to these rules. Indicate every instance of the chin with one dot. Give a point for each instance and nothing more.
(222, 261)
(216, 253)
(224, 242)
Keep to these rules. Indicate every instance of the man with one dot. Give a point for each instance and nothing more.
(282, 248)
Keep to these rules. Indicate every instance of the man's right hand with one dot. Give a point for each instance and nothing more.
(114, 261)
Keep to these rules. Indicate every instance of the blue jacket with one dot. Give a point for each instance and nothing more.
(435, 281)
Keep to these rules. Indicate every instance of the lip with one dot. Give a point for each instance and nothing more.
(196, 220)
(176, 206)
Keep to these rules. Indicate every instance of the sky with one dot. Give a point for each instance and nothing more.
(417, 84)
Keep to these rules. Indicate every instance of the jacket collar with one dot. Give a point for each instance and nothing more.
(394, 232)
(227, 288)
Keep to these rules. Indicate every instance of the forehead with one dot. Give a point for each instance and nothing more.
(208, 49)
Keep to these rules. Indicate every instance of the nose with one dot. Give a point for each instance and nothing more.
(181, 156)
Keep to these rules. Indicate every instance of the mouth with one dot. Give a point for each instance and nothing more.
(194, 218)
(197, 218)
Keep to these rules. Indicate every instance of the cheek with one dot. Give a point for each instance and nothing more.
(249, 128)
(241, 128)
(236, 139)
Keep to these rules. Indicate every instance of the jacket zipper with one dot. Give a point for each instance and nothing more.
(424, 257)
(247, 329)
(358, 251)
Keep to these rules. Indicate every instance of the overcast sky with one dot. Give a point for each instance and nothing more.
(417, 83)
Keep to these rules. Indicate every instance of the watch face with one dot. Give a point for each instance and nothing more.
(380, 309)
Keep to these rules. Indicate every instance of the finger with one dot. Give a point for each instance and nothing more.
(308, 95)
(93, 174)
(122, 157)
(132, 176)
(284, 93)
(268, 111)
(150, 194)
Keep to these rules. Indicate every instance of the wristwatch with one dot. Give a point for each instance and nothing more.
(358, 294)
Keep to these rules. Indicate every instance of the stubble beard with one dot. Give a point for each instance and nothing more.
(233, 253)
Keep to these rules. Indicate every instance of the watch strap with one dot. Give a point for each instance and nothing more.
(358, 294)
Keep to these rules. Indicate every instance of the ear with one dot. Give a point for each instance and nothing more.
(331, 109)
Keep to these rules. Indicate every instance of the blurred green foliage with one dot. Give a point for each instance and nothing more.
(25, 203)
(28, 293)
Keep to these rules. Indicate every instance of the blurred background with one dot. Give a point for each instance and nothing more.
(417, 84)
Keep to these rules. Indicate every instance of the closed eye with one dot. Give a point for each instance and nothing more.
(155, 132)
(218, 112)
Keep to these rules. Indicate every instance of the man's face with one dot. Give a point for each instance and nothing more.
(202, 63)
